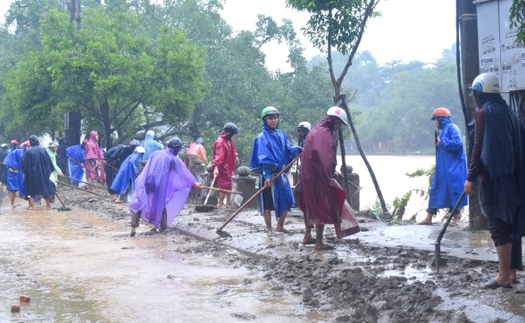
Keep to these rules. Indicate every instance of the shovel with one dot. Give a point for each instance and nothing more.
(93, 185)
(220, 190)
(63, 207)
(205, 207)
(78, 188)
(225, 234)
(437, 252)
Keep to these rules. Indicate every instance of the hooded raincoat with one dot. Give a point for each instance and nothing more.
(76, 156)
(271, 152)
(114, 158)
(165, 182)
(451, 168)
(14, 174)
(127, 173)
(93, 155)
(37, 167)
(150, 145)
(224, 154)
(321, 198)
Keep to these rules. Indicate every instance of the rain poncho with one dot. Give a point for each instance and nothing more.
(3, 168)
(127, 173)
(15, 176)
(321, 198)
(93, 153)
(271, 152)
(224, 154)
(165, 182)
(56, 168)
(150, 145)
(61, 155)
(114, 158)
(497, 157)
(197, 150)
(76, 156)
(37, 167)
(451, 168)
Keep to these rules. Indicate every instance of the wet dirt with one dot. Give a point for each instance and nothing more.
(82, 266)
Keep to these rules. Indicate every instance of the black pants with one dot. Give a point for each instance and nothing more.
(502, 233)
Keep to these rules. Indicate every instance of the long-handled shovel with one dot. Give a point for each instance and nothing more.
(437, 252)
(78, 188)
(220, 190)
(209, 192)
(205, 207)
(225, 234)
(63, 207)
(94, 185)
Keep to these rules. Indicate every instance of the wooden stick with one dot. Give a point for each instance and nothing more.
(220, 190)
(78, 188)
(257, 194)
(209, 192)
(97, 186)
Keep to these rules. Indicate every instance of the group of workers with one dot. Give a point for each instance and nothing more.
(496, 172)
(157, 193)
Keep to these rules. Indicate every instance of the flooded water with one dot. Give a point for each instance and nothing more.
(390, 172)
(77, 267)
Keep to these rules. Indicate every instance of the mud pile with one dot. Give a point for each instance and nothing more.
(358, 283)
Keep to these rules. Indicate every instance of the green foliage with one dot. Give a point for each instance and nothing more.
(112, 72)
(400, 114)
(517, 20)
(335, 23)
(400, 203)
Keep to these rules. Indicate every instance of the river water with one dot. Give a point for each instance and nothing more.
(390, 172)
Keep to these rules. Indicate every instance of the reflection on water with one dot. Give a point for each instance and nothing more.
(77, 267)
(390, 172)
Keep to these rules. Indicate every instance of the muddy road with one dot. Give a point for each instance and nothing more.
(82, 266)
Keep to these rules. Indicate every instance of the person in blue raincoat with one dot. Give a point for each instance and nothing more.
(14, 173)
(150, 144)
(124, 182)
(272, 151)
(451, 167)
(76, 157)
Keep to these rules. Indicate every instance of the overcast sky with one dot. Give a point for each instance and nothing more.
(408, 30)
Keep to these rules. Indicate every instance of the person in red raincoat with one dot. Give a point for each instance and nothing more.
(224, 161)
(94, 156)
(321, 198)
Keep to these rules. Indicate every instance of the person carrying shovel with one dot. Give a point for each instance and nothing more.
(322, 198)
(272, 151)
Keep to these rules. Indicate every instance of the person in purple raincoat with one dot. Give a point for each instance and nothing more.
(161, 189)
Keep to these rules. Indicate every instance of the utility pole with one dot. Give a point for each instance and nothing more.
(469, 57)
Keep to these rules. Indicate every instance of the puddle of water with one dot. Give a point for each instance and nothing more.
(409, 272)
(77, 267)
(494, 306)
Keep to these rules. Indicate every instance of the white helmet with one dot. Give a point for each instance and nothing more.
(304, 125)
(338, 112)
(486, 83)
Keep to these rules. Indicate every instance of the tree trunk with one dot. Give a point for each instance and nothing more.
(105, 134)
(343, 160)
(74, 7)
(72, 121)
(342, 104)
